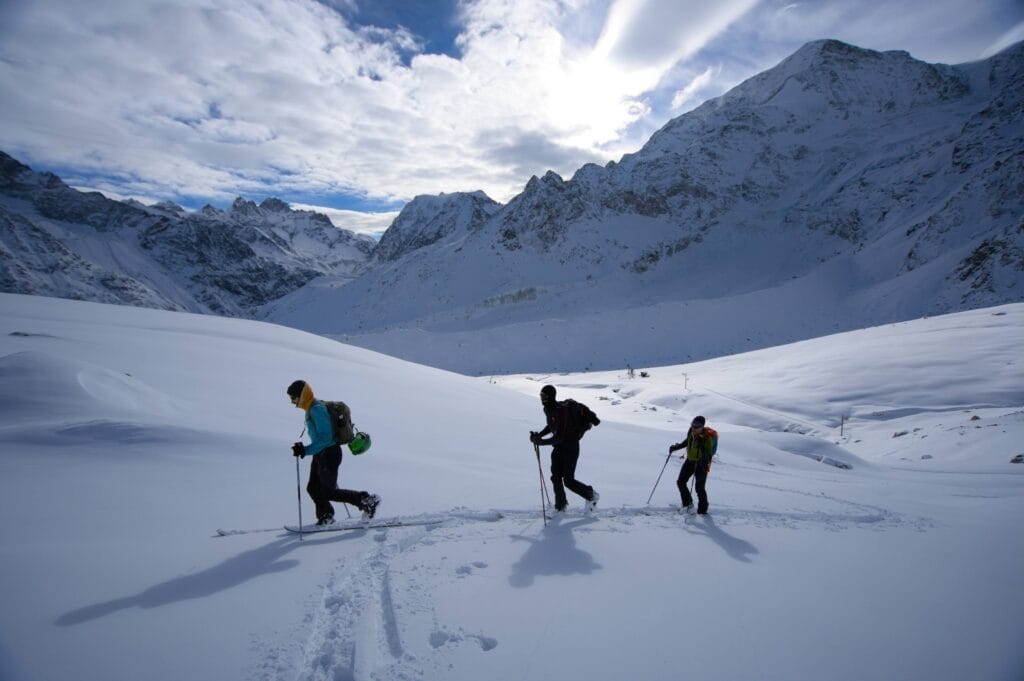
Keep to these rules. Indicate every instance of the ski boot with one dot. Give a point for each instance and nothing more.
(370, 504)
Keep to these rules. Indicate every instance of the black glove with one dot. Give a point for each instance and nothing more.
(299, 450)
(535, 437)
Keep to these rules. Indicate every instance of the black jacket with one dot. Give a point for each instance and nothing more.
(559, 425)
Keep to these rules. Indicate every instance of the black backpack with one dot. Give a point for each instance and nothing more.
(581, 417)
(341, 421)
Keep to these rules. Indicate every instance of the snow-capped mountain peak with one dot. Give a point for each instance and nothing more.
(428, 219)
(844, 187)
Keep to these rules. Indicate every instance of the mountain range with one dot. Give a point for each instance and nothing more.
(57, 241)
(841, 189)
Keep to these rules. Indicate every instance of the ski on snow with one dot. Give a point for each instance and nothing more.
(466, 514)
(231, 533)
(337, 527)
(380, 523)
(372, 525)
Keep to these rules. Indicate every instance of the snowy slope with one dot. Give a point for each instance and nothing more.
(127, 436)
(842, 188)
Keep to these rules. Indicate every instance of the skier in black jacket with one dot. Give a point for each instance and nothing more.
(565, 439)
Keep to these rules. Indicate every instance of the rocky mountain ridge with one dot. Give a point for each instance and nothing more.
(428, 219)
(57, 241)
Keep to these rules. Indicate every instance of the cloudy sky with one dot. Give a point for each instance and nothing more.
(356, 106)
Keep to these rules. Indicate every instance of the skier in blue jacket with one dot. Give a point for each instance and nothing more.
(326, 459)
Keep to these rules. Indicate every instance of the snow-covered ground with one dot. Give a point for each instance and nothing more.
(129, 436)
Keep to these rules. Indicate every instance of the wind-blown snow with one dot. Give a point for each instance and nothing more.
(865, 514)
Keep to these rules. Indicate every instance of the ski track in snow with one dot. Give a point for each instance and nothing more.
(355, 629)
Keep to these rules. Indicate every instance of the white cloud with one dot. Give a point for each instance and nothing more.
(650, 36)
(370, 224)
(1014, 35)
(214, 99)
(683, 99)
(948, 31)
(239, 94)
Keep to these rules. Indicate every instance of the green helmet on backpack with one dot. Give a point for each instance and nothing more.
(360, 444)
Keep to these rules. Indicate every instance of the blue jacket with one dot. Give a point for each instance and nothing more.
(318, 425)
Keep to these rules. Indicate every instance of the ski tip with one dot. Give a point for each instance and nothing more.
(485, 516)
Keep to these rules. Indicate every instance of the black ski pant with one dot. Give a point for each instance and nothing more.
(323, 483)
(699, 470)
(563, 473)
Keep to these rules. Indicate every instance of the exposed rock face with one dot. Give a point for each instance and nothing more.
(57, 241)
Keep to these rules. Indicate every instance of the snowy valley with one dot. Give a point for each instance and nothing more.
(129, 436)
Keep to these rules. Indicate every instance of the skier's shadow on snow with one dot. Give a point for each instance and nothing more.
(236, 570)
(554, 553)
(737, 548)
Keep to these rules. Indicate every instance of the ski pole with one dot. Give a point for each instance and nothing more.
(543, 489)
(544, 483)
(298, 495)
(659, 476)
